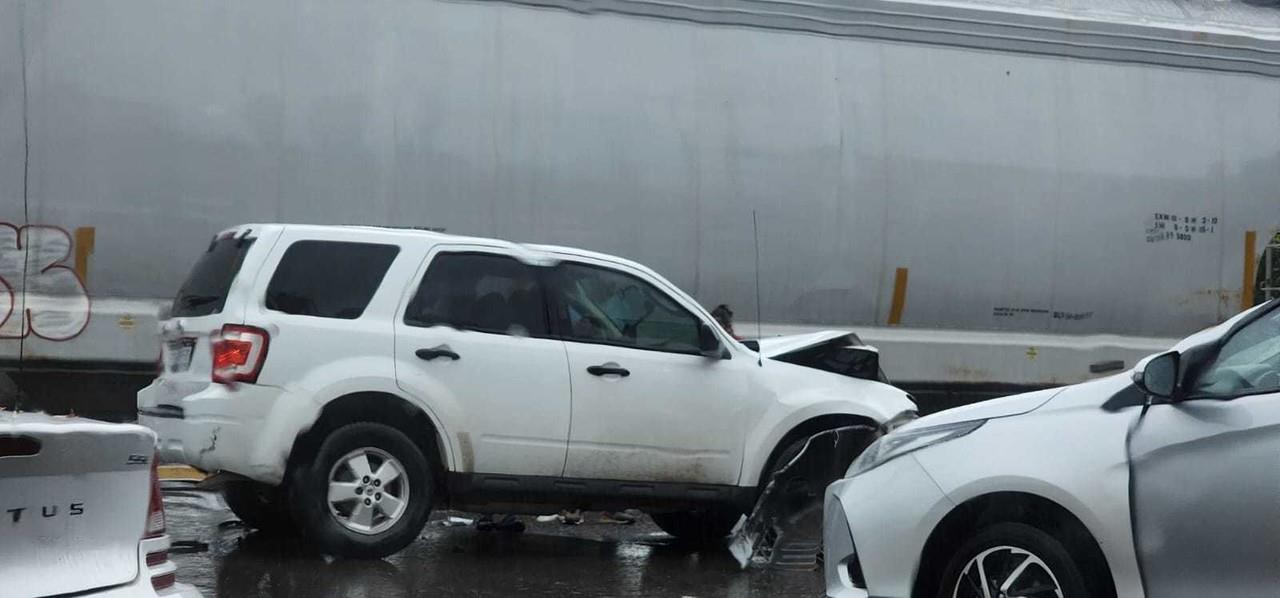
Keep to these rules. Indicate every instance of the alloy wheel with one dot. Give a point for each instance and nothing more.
(368, 491)
(1006, 572)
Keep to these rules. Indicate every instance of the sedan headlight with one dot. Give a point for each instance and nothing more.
(896, 444)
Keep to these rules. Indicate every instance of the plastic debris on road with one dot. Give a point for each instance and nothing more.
(454, 522)
(784, 529)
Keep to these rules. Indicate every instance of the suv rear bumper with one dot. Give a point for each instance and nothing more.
(220, 428)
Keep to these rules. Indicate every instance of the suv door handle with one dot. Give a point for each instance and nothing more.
(605, 370)
(441, 351)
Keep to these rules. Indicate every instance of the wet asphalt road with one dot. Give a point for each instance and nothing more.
(225, 560)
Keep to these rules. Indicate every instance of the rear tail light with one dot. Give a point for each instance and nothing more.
(165, 581)
(238, 354)
(156, 528)
(155, 508)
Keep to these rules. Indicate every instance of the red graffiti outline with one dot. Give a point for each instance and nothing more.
(13, 301)
(28, 329)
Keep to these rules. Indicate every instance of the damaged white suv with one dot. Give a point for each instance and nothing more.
(347, 380)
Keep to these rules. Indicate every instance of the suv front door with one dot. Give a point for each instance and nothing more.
(646, 404)
(473, 342)
(1206, 475)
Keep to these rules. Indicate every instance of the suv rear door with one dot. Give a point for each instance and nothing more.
(473, 342)
(326, 297)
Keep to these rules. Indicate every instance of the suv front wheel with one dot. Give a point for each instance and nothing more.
(698, 528)
(367, 493)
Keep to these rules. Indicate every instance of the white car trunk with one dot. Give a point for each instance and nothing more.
(73, 503)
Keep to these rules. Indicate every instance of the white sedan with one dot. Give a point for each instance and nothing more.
(81, 512)
(1163, 482)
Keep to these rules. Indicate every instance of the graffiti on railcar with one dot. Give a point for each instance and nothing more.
(40, 295)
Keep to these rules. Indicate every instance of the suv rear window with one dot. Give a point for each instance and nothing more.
(205, 290)
(328, 279)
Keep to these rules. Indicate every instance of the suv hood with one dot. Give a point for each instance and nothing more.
(776, 346)
(836, 351)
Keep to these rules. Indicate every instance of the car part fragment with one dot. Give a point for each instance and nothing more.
(784, 528)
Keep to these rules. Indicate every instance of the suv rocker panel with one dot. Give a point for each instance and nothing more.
(484, 491)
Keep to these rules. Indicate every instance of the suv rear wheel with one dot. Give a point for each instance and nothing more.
(259, 506)
(366, 494)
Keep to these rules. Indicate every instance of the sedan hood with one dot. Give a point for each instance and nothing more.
(1002, 407)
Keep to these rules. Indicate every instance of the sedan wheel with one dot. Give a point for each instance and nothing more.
(1014, 560)
(1007, 572)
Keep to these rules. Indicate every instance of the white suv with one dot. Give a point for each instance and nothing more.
(347, 380)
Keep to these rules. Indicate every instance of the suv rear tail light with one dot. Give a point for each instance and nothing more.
(238, 354)
(156, 528)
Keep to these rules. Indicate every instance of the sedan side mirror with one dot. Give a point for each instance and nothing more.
(1158, 375)
(708, 343)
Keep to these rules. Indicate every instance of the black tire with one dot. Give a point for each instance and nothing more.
(698, 528)
(1063, 568)
(310, 490)
(781, 460)
(810, 477)
(259, 506)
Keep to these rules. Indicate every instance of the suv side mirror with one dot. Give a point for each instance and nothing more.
(708, 343)
(1158, 375)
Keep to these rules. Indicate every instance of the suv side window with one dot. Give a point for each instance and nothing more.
(328, 279)
(598, 305)
(1249, 363)
(482, 292)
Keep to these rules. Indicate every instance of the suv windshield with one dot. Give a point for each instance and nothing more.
(205, 290)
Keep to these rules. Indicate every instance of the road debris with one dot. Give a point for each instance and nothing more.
(509, 523)
(454, 522)
(784, 530)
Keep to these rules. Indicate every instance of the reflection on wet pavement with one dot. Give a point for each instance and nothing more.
(549, 559)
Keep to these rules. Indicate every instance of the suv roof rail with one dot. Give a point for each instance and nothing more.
(430, 229)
